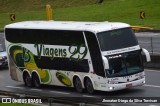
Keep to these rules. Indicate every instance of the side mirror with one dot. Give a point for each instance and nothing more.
(106, 63)
(148, 58)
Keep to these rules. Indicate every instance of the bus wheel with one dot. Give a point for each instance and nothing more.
(27, 80)
(36, 81)
(78, 85)
(89, 86)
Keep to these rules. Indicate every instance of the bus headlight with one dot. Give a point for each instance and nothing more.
(144, 82)
(111, 88)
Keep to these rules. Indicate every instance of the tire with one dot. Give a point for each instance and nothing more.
(27, 80)
(89, 86)
(36, 81)
(78, 85)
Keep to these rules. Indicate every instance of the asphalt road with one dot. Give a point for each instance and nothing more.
(150, 89)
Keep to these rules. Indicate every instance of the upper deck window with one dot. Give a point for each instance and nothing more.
(53, 37)
(117, 39)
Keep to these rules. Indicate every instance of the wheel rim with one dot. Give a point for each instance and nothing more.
(78, 85)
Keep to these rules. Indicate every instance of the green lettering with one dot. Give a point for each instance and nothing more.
(52, 53)
(64, 53)
(43, 50)
(56, 52)
(47, 51)
(39, 49)
(60, 52)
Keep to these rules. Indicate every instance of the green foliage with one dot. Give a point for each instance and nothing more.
(36, 5)
(127, 11)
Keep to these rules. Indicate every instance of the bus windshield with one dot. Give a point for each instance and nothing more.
(125, 64)
(117, 39)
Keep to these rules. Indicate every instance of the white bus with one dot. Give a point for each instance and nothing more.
(101, 56)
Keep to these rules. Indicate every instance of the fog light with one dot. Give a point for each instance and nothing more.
(111, 88)
(144, 82)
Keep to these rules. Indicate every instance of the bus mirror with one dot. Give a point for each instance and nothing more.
(148, 58)
(106, 63)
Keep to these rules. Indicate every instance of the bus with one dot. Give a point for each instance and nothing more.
(102, 56)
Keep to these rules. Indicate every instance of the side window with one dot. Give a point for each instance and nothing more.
(20, 35)
(52, 37)
(63, 64)
(63, 37)
(67, 38)
(95, 54)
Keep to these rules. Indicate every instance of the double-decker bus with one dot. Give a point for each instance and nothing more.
(101, 56)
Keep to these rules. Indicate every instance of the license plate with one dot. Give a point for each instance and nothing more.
(128, 85)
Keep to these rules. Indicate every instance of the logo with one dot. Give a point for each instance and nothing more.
(78, 52)
(63, 79)
(6, 100)
(14, 100)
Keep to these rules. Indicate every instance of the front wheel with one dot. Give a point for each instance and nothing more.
(27, 80)
(89, 86)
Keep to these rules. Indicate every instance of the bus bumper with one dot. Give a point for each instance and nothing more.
(115, 87)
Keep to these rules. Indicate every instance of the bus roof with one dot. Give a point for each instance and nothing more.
(68, 25)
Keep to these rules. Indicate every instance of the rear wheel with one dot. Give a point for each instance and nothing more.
(27, 80)
(89, 86)
(78, 85)
(36, 81)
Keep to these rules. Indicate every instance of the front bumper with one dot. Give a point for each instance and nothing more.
(115, 87)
